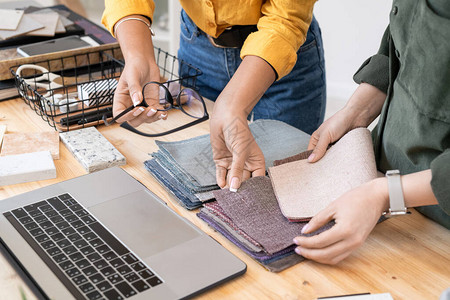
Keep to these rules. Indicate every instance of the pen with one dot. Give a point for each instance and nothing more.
(95, 117)
(339, 296)
(74, 119)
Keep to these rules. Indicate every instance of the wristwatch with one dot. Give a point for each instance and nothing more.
(396, 200)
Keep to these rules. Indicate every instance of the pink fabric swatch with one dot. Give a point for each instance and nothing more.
(303, 189)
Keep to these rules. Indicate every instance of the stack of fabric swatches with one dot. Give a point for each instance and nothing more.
(186, 168)
(252, 220)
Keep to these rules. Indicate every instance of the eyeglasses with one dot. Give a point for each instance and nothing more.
(187, 100)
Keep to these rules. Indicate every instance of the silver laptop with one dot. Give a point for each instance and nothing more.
(105, 236)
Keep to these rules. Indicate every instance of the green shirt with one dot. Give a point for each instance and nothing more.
(413, 67)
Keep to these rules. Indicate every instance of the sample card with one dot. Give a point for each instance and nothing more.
(10, 18)
(49, 20)
(26, 25)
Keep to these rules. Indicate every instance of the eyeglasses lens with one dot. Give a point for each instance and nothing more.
(191, 103)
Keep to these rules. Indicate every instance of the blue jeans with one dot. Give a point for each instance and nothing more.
(298, 99)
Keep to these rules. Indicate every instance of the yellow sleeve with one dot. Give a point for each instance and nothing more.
(282, 29)
(115, 10)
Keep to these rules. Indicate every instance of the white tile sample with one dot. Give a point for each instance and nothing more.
(26, 167)
(92, 149)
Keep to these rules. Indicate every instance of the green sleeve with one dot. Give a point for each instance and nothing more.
(375, 70)
(440, 7)
(440, 180)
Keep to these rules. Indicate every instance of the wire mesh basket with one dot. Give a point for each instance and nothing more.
(76, 91)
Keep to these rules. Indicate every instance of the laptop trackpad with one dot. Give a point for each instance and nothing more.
(143, 223)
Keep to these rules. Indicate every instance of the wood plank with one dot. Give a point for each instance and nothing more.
(407, 257)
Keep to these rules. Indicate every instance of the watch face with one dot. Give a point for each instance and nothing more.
(391, 214)
(392, 172)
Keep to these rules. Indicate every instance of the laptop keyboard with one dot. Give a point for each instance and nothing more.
(85, 256)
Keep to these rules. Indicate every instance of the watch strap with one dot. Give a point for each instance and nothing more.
(396, 200)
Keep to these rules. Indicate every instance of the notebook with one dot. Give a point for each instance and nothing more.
(105, 236)
(303, 189)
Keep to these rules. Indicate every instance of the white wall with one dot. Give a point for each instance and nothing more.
(351, 32)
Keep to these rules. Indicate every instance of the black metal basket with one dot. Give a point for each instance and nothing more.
(75, 91)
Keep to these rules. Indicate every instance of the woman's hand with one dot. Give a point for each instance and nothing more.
(355, 215)
(140, 67)
(236, 154)
(329, 132)
(362, 108)
(136, 73)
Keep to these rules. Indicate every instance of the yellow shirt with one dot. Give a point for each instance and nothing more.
(282, 24)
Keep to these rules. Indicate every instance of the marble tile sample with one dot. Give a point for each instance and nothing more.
(18, 143)
(92, 149)
(26, 167)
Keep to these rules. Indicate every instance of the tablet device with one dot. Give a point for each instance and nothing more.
(61, 44)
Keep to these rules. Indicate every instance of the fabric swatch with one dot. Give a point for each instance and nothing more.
(205, 196)
(215, 209)
(188, 200)
(19, 143)
(188, 170)
(254, 209)
(194, 156)
(260, 256)
(236, 234)
(272, 262)
(303, 189)
(188, 181)
(300, 156)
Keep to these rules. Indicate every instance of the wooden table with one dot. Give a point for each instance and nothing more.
(408, 257)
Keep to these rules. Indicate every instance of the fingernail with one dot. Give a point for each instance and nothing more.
(297, 250)
(138, 111)
(295, 241)
(135, 99)
(234, 184)
(151, 112)
(162, 116)
(311, 157)
(305, 228)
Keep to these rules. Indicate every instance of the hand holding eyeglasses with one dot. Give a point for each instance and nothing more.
(128, 94)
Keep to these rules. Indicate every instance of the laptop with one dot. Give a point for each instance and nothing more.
(106, 236)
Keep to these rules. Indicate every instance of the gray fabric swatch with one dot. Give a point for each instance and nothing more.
(284, 262)
(205, 196)
(273, 262)
(231, 231)
(194, 157)
(254, 209)
(174, 170)
(184, 196)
